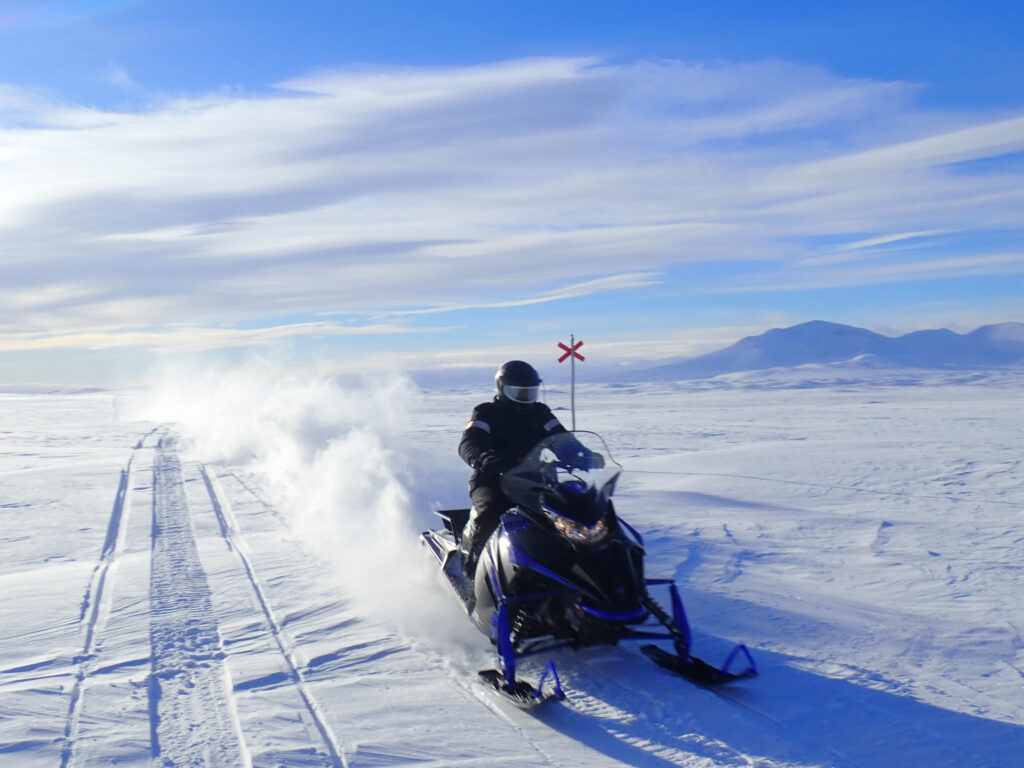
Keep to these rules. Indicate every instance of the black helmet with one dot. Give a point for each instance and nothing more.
(517, 382)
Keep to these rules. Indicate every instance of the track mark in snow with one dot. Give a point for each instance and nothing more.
(667, 720)
(254, 492)
(490, 700)
(230, 531)
(882, 537)
(659, 733)
(96, 607)
(467, 686)
(190, 709)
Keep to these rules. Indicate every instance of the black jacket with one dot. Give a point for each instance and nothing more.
(500, 434)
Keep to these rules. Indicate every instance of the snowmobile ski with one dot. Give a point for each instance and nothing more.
(682, 662)
(520, 693)
(700, 672)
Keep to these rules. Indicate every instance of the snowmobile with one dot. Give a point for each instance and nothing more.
(564, 570)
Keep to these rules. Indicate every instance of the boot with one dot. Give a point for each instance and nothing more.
(472, 545)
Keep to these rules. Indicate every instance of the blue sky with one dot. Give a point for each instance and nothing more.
(412, 184)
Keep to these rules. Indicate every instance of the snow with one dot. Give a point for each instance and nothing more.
(822, 343)
(224, 571)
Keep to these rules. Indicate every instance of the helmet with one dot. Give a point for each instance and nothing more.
(517, 382)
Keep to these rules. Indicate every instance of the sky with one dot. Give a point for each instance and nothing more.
(410, 185)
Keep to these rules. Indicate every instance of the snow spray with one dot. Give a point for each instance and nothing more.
(328, 457)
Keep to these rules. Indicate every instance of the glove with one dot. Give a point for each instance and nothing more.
(492, 464)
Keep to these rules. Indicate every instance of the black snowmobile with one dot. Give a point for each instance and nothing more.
(562, 569)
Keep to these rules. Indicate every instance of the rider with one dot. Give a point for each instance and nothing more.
(499, 435)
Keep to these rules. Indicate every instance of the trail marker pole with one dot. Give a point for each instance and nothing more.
(571, 354)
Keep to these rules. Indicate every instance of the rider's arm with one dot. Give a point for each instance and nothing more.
(550, 423)
(477, 443)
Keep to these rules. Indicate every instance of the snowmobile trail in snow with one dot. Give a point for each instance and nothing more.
(320, 657)
(615, 705)
(230, 532)
(193, 722)
(96, 606)
(678, 717)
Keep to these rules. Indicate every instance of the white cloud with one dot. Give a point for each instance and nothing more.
(871, 242)
(382, 192)
(602, 285)
(195, 339)
(979, 141)
(902, 271)
(118, 75)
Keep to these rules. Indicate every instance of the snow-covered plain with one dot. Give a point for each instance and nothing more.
(225, 572)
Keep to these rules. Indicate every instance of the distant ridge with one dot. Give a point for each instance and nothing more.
(820, 342)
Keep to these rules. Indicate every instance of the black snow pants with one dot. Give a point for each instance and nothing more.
(489, 503)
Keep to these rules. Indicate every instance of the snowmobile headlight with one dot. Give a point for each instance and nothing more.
(578, 533)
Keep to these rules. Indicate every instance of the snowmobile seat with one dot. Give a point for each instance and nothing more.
(454, 520)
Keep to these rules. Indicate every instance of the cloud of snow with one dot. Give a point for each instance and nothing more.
(332, 458)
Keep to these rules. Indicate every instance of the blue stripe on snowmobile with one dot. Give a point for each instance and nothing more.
(522, 559)
(635, 615)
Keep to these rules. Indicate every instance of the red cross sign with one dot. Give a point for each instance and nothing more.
(570, 352)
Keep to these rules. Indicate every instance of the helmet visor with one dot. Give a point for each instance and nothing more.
(520, 394)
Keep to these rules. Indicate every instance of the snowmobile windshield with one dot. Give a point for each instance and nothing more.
(570, 475)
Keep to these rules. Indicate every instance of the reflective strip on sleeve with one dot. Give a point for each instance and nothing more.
(480, 425)
(551, 425)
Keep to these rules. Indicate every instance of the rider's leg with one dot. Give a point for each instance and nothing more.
(488, 505)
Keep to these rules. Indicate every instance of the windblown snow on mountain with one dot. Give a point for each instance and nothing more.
(824, 343)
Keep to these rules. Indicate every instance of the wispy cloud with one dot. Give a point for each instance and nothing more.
(898, 237)
(590, 287)
(118, 75)
(889, 272)
(197, 339)
(389, 192)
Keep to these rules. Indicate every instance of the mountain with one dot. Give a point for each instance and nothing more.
(821, 343)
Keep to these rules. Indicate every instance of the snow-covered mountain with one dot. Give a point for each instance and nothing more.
(821, 343)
